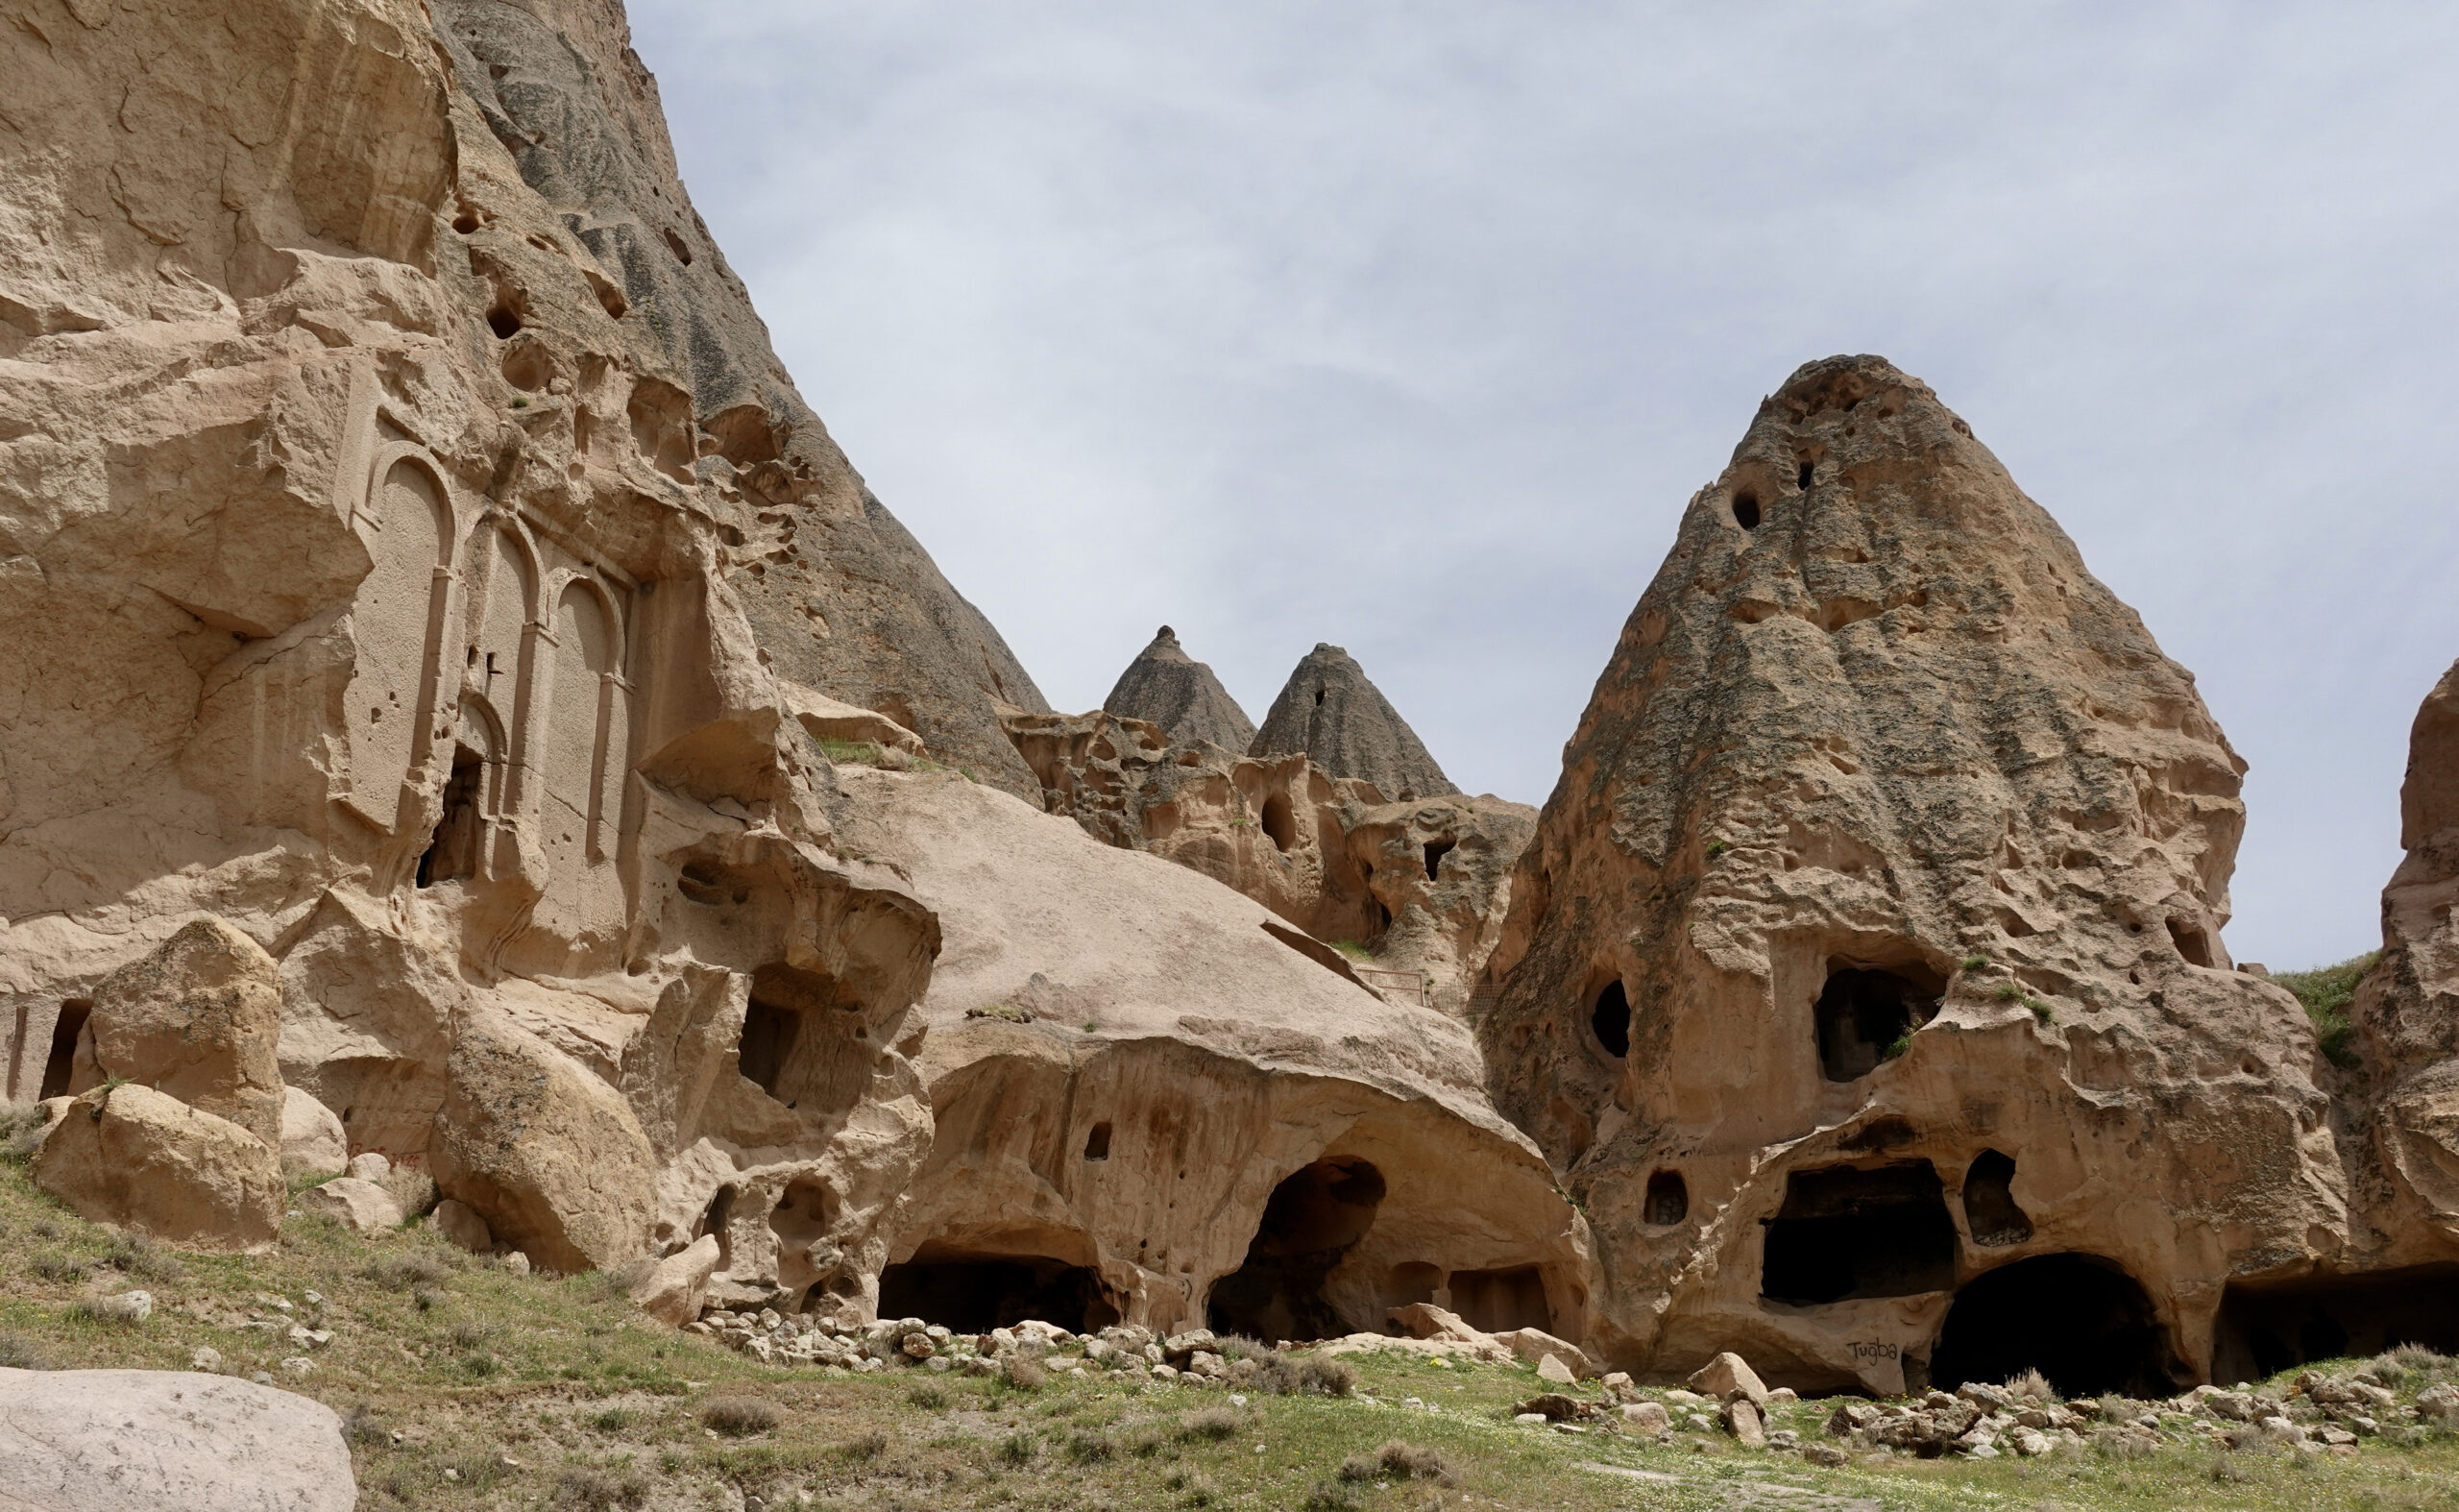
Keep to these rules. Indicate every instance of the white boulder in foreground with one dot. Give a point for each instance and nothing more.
(149, 1440)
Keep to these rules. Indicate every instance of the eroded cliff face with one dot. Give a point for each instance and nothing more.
(393, 491)
(1864, 979)
(1153, 1105)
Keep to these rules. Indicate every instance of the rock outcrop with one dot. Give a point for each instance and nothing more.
(1149, 1108)
(1172, 691)
(103, 1440)
(1420, 886)
(1330, 714)
(399, 514)
(131, 1156)
(1865, 979)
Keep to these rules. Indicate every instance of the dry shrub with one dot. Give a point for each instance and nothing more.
(1023, 1374)
(1411, 1462)
(17, 1355)
(930, 1397)
(587, 1490)
(365, 1428)
(1018, 1448)
(405, 1272)
(870, 1446)
(414, 1189)
(739, 1417)
(2031, 1386)
(1212, 1422)
(138, 1254)
(1090, 1448)
(1330, 1378)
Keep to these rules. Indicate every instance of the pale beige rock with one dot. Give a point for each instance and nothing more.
(672, 1292)
(199, 1019)
(1420, 887)
(112, 1440)
(1535, 1345)
(312, 1142)
(1423, 1320)
(1552, 1368)
(1741, 1420)
(1726, 1377)
(371, 1166)
(1102, 1021)
(1647, 1417)
(460, 1223)
(1874, 716)
(135, 1156)
(360, 1205)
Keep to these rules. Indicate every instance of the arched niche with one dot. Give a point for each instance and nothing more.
(474, 797)
(407, 525)
(586, 729)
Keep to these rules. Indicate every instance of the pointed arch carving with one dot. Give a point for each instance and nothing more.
(407, 518)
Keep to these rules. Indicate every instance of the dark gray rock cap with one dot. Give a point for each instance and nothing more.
(1172, 690)
(1329, 710)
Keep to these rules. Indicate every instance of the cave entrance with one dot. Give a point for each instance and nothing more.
(61, 1065)
(1863, 1015)
(1310, 1222)
(2191, 942)
(1609, 1018)
(975, 1293)
(1279, 822)
(1845, 1233)
(769, 1031)
(1435, 851)
(803, 1040)
(1669, 1199)
(2268, 1328)
(1991, 1214)
(2078, 1319)
(1501, 1302)
(454, 851)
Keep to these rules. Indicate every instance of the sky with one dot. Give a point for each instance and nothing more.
(1412, 328)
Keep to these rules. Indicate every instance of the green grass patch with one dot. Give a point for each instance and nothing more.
(2327, 991)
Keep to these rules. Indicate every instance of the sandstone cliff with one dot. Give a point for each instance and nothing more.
(1865, 978)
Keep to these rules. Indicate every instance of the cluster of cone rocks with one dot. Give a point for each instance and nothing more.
(471, 734)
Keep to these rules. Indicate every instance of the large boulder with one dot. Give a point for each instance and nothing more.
(115, 1440)
(549, 1155)
(1865, 979)
(130, 1154)
(312, 1141)
(359, 1206)
(199, 1019)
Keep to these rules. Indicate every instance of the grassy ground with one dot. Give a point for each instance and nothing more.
(2326, 992)
(470, 1387)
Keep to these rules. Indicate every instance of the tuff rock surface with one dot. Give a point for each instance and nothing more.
(107, 1440)
(1870, 944)
(1329, 713)
(1167, 688)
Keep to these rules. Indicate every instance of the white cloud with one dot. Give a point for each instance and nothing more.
(1411, 328)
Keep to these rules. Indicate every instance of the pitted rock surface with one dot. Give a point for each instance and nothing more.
(1342, 723)
(1167, 688)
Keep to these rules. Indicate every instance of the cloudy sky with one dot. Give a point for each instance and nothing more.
(1413, 328)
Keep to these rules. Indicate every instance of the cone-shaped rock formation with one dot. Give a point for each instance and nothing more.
(1870, 943)
(1166, 687)
(1328, 711)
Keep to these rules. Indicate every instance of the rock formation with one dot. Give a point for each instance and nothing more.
(400, 521)
(84, 1440)
(1167, 688)
(1420, 885)
(1328, 711)
(1865, 978)
(1149, 1108)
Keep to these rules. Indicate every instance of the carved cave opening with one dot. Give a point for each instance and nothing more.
(2191, 943)
(62, 1063)
(1865, 1014)
(1745, 511)
(2267, 1328)
(452, 853)
(2078, 1319)
(1435, 851)
(1846, 1232)
(1279, 822)
(1609, 1018)
(1990, 1213)
(1802, 481)
(1310, 1223)
(1097, 1143)
(803, 1041)
(1501, 1300)
(1410, 1282)
(1669, 1199)
(974, 1293)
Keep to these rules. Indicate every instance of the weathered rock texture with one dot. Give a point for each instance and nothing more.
(1329, 713)
(1422, 884)
(1150, 1108)
(1864, 979)
(405, 535)
(109, 1440)
(1167, 688)
(131, 1156)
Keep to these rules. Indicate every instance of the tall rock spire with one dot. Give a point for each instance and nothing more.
(1172, 690)
(1870, 942)
(1329, 710)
